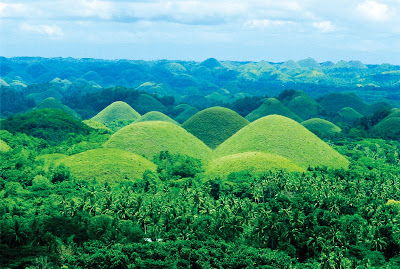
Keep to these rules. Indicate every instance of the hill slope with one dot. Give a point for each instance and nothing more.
(322, 128)
(304, 107)
(155, 116)
(116, 115)
(150, 137)
(285, 137)
(108, 165)
(272, 106)
(214, 125)
(52, 103)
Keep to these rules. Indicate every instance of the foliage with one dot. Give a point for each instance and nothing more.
(214, 125)
(322, 128)
(51, 103)
(285, 137)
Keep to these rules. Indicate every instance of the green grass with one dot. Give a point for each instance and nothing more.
(96, 125)
(388, 128)
(150, 137)
(108, 165)
(334, 102)
(186, 114)
(308, 63)
(4, 146)
(251, 161)
(272, 106)
(52, 103)
(146, 103)
(395, 113)
(349, 115)
(52, 158)
(116, 115)
(322, 128)
(285, 137)
(214, 125)
(155, 116)
(304, 107)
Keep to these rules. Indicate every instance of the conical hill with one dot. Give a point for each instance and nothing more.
(272, 106)
(322, 128)
(150, 137)
(52, 103)
(285, 137)
(155, 116)
(214, 125)
(116, 115)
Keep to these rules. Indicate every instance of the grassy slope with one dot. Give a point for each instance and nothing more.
(388, 127)
(116, 115)
(334, 102)
(252, 161)
(214, 125)
(53, 103)
(108, 165)
(146, 103)
(3, 146)
(96, 125)
(284, 137)
(150, 137)
(155, 116)
(322, 128)
(269, 107)
(185, 115)
(305, 107)
(349, 115)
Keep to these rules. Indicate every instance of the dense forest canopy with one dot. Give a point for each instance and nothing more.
(214, 164)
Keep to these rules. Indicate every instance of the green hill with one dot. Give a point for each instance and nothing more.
(146, 103)
(175, 68)
(155, 116)
(252, 161)
(357, 65)
(305, 107)
(395, 113)
(309, 63)
(150, 137)
(116, 115)
(349, 115)
(272, 106)
(388, 128)
(52, 103)
(185, 115)
(52, 158)
(285, 137)
(96, 125)
(334, 102)
(342, 64)
(108, 165)
(214, 125)
(4, 146)
(211, 63)
(41, 96)
(289, 65)
(322, 128)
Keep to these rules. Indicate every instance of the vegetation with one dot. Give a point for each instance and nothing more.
(334, 102)
(285, 137)
(388, 128)
(116, 115)
(146, 103)
(186, 114)
(305, 107)
(349, 115)
(254, 162)
(96, 125)
(322, 128)
(272, 106)
(150, 137)
(108, 165)
(214, 125)
(155, 116)
(52, 103)
(3, 146)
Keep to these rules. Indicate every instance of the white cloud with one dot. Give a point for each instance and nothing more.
(53, 31)
(375, 11)
(324, 26)
(254, 24)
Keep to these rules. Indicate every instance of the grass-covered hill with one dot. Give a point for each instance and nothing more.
(214, 125)
(250, 161)
(272, 106)
(117, 115)
(285, 137)
(388, 128)
(150, 137)
(52, 103)
(146, 103)
(96, 125)
(322, 128)
(4, 146)
(186, 114)
(155, 116)
(305, 107)
(349, 115)
(108, 165)
(334, 102)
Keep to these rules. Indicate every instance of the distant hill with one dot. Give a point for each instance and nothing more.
(186, 114)
(388, 128)
(285, 137)
(52, 103)
(309, 63)
(150, 137)
(272, 106)
(214, 125)
(322, 128)
(155, 116)
(304, 107)
(349, 115)
(146, 103)
(117, 115)
(334, 102)
(252, 161)
(108, 165)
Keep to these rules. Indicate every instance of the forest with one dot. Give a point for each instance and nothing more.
(178, 164)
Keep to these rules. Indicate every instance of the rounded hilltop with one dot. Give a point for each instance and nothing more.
(272, 106)
(322, 128)
(116, 115)
(285, 137)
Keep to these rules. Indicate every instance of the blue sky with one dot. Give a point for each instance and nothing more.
(272, 30)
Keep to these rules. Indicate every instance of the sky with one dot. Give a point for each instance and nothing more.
(252, 30)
